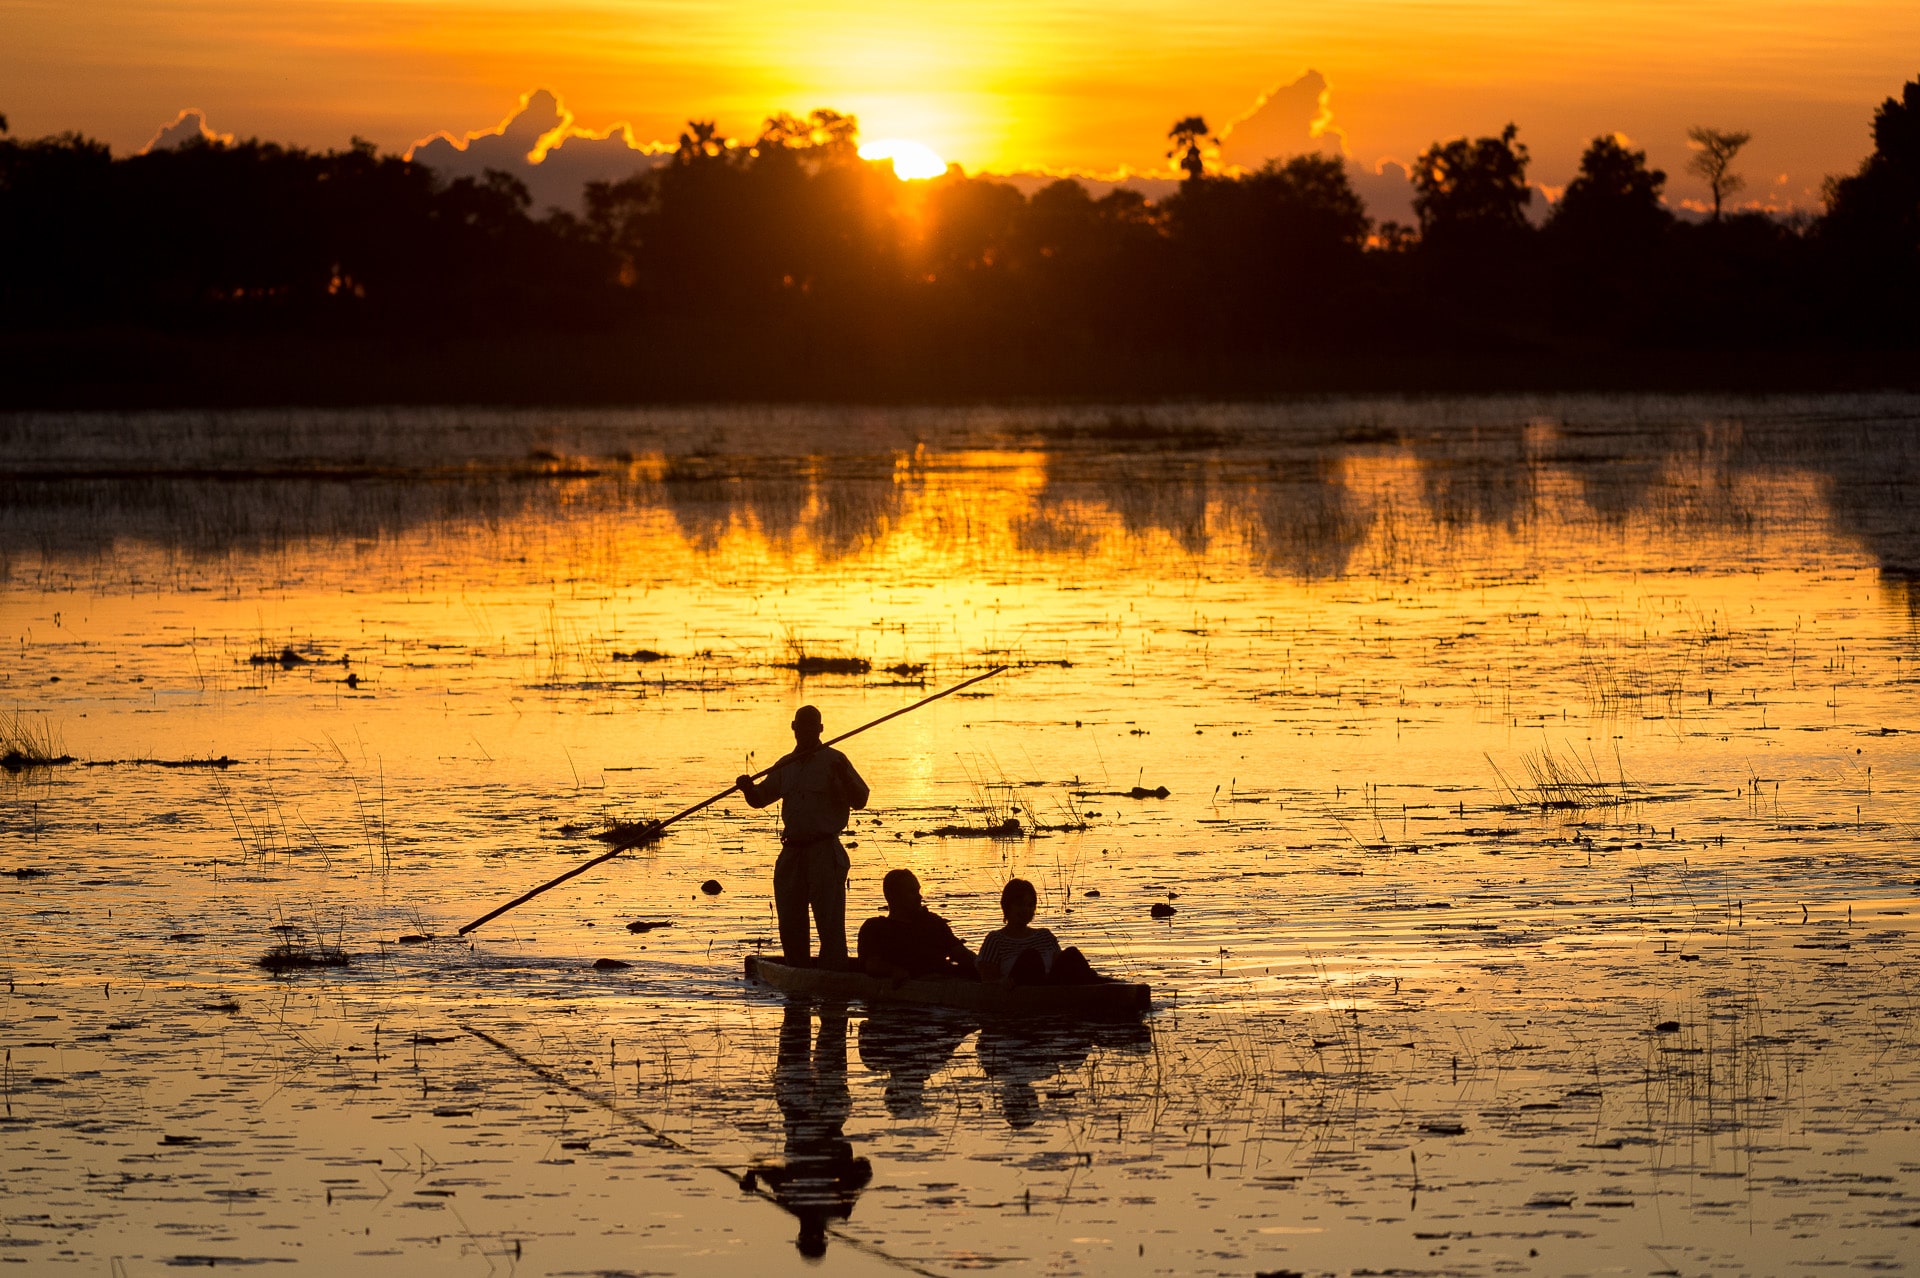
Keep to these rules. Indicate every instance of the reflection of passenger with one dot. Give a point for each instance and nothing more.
(1019, 954)
(819, 1179)
(910, 939)
(1015, 1055)
(910, 1045)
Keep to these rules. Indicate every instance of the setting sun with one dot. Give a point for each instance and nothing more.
(912, 161)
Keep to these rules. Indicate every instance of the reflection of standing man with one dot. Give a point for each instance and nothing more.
(817, 787)
(819, 1179)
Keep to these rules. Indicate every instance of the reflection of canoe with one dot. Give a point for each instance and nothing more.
(1105, 1001)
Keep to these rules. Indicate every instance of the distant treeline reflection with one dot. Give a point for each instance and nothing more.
(791, 267)
(1311, 494)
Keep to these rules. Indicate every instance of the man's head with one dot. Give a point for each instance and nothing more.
(901, 889)
(1018, 901)
(807, 726)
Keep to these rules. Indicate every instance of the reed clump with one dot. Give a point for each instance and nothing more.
(29, 742)
(1564, 782)
(294, 955)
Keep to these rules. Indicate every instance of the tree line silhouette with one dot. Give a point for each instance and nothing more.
(790, 266)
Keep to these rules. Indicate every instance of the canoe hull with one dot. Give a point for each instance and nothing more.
(1108, 1001)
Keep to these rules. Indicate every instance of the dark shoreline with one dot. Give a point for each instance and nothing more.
(122, 370)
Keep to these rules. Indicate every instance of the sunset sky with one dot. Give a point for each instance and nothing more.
(994, 84)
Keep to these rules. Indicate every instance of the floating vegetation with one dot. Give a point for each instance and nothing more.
(626, 834)
(1007, 829)
(811, 665)
(1136, 792)
(297, 956)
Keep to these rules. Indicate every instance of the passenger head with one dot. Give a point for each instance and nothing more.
(1018, 901)
(807, 725)
(901, 889)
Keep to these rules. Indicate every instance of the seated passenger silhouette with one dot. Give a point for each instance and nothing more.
(1019, 954)
(910, 940)
(820, 1177)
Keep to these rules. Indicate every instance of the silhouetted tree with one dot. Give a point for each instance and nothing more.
(1712, 162)
(1475, 252)
(1186, 135)
(1615, 195)
(1297, 230)
(1607, 235)
(1472, 188)
(700, 139)
(1871, 232)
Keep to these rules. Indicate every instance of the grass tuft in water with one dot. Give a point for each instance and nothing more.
(29, 742)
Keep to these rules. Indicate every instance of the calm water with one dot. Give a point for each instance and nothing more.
(1498, 736)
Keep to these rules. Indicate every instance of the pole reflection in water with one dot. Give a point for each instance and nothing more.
(819, 1178)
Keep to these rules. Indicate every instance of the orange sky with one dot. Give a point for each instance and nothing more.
(992, 83)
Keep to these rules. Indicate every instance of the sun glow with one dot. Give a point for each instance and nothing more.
(912, 161)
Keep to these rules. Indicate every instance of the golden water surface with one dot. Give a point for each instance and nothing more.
(1539, 828)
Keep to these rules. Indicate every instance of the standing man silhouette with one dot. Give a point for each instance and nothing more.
(817, 787)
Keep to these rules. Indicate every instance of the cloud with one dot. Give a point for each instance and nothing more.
(540, 145)
(1386, 190)
(188, 127)
(1290, 120)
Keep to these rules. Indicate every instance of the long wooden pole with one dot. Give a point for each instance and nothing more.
(657, 827)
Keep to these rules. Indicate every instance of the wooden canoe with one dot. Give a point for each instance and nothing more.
(1110, 1000)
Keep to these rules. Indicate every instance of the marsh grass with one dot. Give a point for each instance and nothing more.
(1564, 782)
(30, 741)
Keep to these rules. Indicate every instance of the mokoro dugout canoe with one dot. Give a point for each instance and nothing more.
(1109, 1000)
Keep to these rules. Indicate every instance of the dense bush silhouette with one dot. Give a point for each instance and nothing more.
(790, 266)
